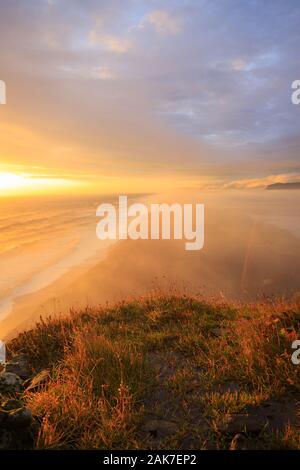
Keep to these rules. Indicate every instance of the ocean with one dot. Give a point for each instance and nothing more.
(43, 239)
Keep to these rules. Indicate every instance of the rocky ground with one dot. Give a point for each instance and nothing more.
(18, 428)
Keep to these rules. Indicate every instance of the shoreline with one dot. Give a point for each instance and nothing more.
(246, 256)
(23, 304)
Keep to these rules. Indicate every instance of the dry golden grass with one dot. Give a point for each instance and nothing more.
(165, 355)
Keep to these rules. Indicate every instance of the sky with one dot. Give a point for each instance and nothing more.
(135, 95)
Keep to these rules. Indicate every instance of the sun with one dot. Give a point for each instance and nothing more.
(10, 181)
(19, 184)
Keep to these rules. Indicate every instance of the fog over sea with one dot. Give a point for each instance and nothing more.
(51, 259)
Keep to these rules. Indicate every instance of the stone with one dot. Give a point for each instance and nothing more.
(160, 428)
(10, 383)
(3, 415)
(242, 423)
(21, 418)
(38, 381)
(5, 439)
(19, 365)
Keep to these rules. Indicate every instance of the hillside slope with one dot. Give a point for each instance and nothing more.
(163, 372)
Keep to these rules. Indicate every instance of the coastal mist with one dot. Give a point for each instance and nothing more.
(53, 261)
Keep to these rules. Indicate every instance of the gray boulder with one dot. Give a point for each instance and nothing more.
(19, 365)
(10, 383)
(5, 439)
(21, 418)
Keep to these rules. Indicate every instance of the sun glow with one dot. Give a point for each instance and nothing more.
(13, 183)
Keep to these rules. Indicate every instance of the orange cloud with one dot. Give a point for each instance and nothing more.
(256, 183)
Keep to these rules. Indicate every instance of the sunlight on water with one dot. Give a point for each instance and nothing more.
(252, 246)
(40, 241)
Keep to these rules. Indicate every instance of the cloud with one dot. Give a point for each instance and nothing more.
(163, 22)
(110, 42)
(88, 72)
(256, 183)
(105, 73)
(188, 82)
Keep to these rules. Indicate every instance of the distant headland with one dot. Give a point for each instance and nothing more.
(284, 186)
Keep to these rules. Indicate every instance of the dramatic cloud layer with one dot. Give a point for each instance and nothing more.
(176, 90)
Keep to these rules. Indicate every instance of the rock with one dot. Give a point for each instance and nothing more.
(37, 381)
(217, 332)
(159, 428)
(243, 423)
(16, 425)
(21, 418)
(10, 383)
(3, 416)
(19, 365)
(5, 439)
(239, 442)
(13, 414)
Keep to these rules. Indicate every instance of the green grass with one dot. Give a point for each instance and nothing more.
(162, 357)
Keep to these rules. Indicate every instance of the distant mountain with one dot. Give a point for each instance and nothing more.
(284, 186)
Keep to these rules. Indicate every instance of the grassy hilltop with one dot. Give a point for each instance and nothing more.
(166, 372)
